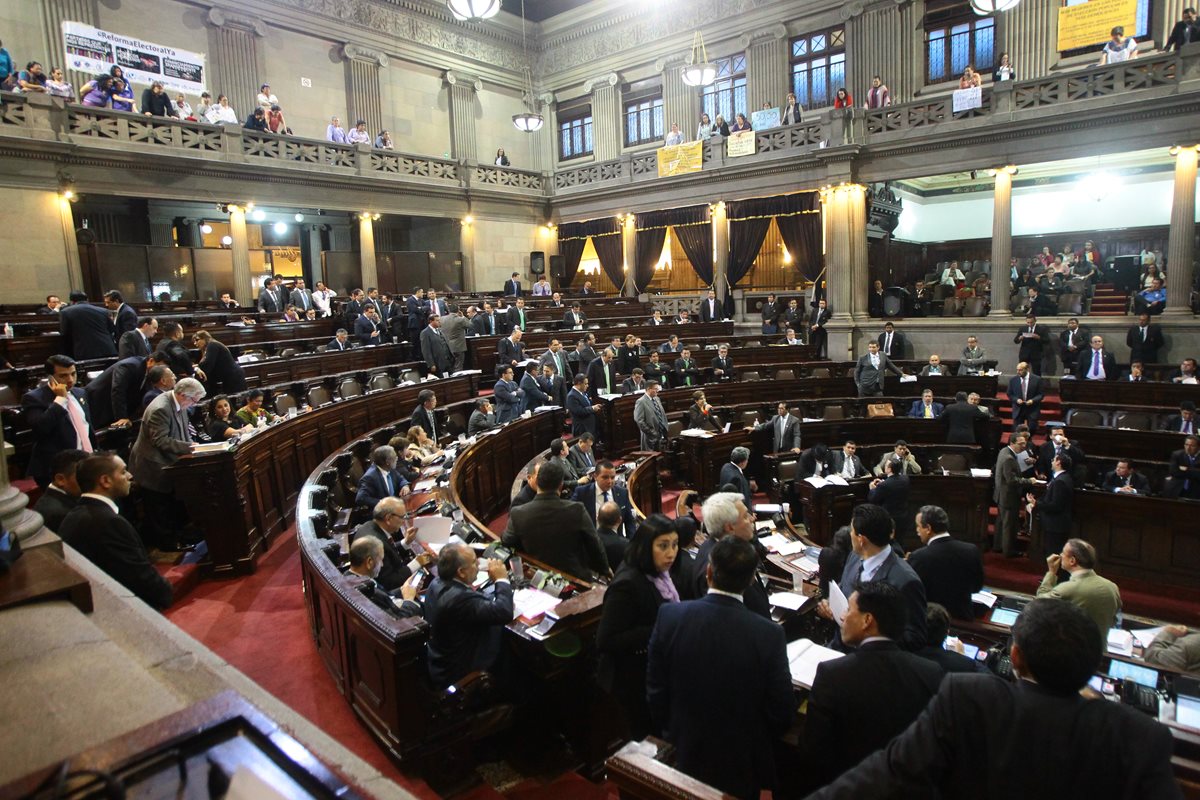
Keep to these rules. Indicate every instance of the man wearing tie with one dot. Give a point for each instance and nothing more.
(302, 298)
(722, 365)
(604, 490)
(270, 300)
(1183, 470)
(1125, 480)
(555, 357)
(436, 349)
(1096, 364)
(582, 410)
(846, 463)
(925, 408)
(512, 287)
(436, 306)
(870, 370)
(366, 327)
(574, 318)
(485, 323)
(785, 430)
(891, 342)
(516, 315)
(510, 351)
(602, 376)
(1185, 420)
(685, 369)
(1031, 338)
(651, 418)
(1071, 342)
(339, 342)
(1144, 340)
(710, 309)
(1025, 393)
(418, 315)
(59, 415)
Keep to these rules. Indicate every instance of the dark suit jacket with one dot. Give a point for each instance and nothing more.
(950, 570)
(755, 596)
(559, 533)
(125, 322)
(117, 392)
(175, 356)
(868, 378)
(1174, 424)
(271, 302)
(54, 505)
(1146, 352)
(837, 460)
(1054, 508)
(465, 628)
(436, 350)
(364, 327)
(731, 474)
(394, 571)
(595, 374)
(892, 496)
(583, 418)
(424, 418)
(698, 419)
(897, 350)
(685, 370)
(983, 737)
(132, 343)
(631, 605)
(726, 366)
(302, 299)
(110, 542)
(918, 409)
(570, 320)
(512, 288)
(951, 661)
(372, 487)
(898, 573)
(807, 466)
(726, 738)
(850, 712)
(334, 344)
(1180, 469)
(224, 374)
(508, 396)
(52, 429)
(960, 422)
(586, 494)
(514, 318)
(1031, 349)
(480, 422)
(534, 396)
(1084, 365)
(416, 313)
(1137, 480)
(1180, 35)
(507, 352)
(710, 312)
(87, 332)
(522, 497)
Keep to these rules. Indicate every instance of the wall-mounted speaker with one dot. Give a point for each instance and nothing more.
(537, 262)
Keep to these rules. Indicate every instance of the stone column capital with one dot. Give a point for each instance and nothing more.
(353, 52)
(673, 61)
(591, 84)
(851, 10)
(773, 33)
(219, 18)
(453, 78)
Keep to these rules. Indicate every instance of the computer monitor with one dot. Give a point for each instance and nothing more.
(1004, 616)
(1187, 701)
(1145, 676)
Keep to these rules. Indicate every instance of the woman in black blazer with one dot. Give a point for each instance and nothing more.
(683, 571)
(641, 585)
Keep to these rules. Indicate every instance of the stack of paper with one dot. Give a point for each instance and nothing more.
(807, 564)
(768, 508)
(1146, 636)
(980, 473)
(804, 656)
(773, 541)
(789, 600)
(1120, 641)
(696, 433)
(984, 598)
(791, 548)
(531, 604)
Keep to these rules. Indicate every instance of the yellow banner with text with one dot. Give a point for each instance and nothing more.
(1091, 23)
(680, 159)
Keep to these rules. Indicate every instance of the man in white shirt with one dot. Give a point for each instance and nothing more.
(1096, 364)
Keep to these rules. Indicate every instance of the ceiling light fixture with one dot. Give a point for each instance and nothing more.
(206, 228)
(700, 72)
(986, 8)
(280, 228)
(528, 120)
(473, 10)
(258, 215)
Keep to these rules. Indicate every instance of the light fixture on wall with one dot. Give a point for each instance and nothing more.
(701, 72)
(205, 228)
(985, 8)
(473, 10)
(528, 120)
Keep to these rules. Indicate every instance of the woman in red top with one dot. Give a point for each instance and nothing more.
(843, 99)
(275, 120)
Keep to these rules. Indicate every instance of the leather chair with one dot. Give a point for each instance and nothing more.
(349, 388)
(381, 381)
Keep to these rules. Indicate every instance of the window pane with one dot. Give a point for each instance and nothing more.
(983, 47)
(818, 42)
(739, 96)
(1143, 18)
(837, 74)
(937, 60)
(960, 50)
(631, 136)
(587, 135)
(659, 128)
(565, 143)
(800, 83)
(837, 38)
(799, 47)
(739, 64)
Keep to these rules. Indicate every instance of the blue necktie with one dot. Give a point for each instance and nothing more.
(390, 484)
(1095, 363)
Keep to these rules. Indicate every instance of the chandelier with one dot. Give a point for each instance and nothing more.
(699, 72)
(528, 120)
(985, 8)
(473, 10)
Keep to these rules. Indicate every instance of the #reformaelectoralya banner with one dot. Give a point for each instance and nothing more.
(92, 50)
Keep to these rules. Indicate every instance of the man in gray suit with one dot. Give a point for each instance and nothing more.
(651, 418)
(301, 297)
(435, 348)
(163, 438)
(785, 430)
(555, 531)
(1007, 494)
(454, 331)
(869, 373)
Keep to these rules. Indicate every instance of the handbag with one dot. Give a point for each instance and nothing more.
(880, 410)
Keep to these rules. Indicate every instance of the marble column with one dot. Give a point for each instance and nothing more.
(1029, 34)
(766, 67)
(844, 211)
(54, 13)
(606, 116)
(363, 97)
(681, 103)
(1001, 243)
(366, 250)
(243, 288)
(187, 231)
(1166, 14)
(15, 514)
(462, 90)
(66, 218)
(720, 226)
(1180, 253)
(233, 58)
(887, 40)
(629, 253)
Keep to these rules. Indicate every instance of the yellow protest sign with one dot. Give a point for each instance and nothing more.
(1091, 23)
(680, 159)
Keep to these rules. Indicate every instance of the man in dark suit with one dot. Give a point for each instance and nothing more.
(423, 414)
(1071, 342)
(875, 300)
(367, 557)
(512, 286)
(1183, 470)
(602, 375)
(535, 395)
(97, 530)
(1059, 444)
(982, 736)
(381, 480)
(1144, 340)
(137, 341)
(687, 373)
(59, 415)
(416, 313)
(726, 515)
(710, 308)
(818, 337)
(518, 316)
(813, 461)
(466, 626)
(1032, 338)
(556, 357)
(581, 408)
(925, 408)
(844, 462)
(125, 319)
(1185, 31)
(367, 327)
(482, 418)
(722, 365)
(528, 489)
(847, 717)
(435, 348)
(870, 371)
(1055, 505)
(484, 322)
(1125, 480)
(340, 342)
(937, 627)
(793, 317)
(573, 318)
(1096, 364)
(301, 297)
(219, 370)
(960, 417)
(770, 315)
(509, 396)
(608, 528)
(86, 330)
(170, 350)
(62, 494)
(949, 569)
(722, 718)
(606, 490)
(555, 531)
(891, 342)
(387, 521)
(1007, 495)
(553, 385)
(891, 494)
(1025, 394)
(1183, 422)
(270, 298)
(510, 351)
(636, 382)
(116, 393)
(656, 318)
(734, 473)
(785, 430)
(873, 559)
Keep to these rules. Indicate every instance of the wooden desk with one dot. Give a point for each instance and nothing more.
(1118, 394)
(645, 487)
(1114, 443)
(245, 496)
(40, 576)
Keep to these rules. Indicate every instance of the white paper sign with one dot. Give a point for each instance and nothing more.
(966, 99)
(93, 50)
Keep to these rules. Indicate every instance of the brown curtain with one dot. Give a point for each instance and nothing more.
(749, 221)
(606, 239)
(801, 234)
(571, 242)
(609, 251)
(651, 228)
(693, 231)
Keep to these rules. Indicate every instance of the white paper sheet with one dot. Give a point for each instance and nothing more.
(788, 600)
(838, 603)
(804, 656)
(1146, 635)
(433, 530)
(984, 598)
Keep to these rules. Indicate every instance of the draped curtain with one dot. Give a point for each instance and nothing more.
(801, 234)
(606, 239)
(571, 242)
(651, 234)
(749, 221)
(693, 231)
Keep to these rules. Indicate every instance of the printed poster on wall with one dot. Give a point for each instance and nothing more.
(1090, 23)
(766, 118)
(92, 50)
(680, 159)
(966, 99)
(742, 143)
